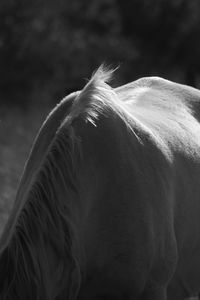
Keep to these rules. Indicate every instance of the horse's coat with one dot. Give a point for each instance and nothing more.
(108, 206)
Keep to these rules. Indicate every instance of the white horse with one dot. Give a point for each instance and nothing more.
(109, 202)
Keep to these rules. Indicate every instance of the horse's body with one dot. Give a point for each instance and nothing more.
(109, 202)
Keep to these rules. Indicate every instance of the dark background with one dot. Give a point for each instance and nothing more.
(49, 47)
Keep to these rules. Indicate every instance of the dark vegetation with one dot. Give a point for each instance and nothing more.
(48, 48)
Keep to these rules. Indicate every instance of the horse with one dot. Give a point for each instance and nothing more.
(108, 206)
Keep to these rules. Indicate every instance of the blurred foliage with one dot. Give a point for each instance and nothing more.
(167, 32)
(48, 47)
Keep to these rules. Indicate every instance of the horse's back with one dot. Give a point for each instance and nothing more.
(145, 210)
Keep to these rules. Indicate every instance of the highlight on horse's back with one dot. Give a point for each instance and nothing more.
(108, 204)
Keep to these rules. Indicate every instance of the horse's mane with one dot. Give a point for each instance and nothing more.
(44, 222)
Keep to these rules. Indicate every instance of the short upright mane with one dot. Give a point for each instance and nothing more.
(96, 97)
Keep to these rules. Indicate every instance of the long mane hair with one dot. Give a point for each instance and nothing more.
(43, 224)
(37, 252)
